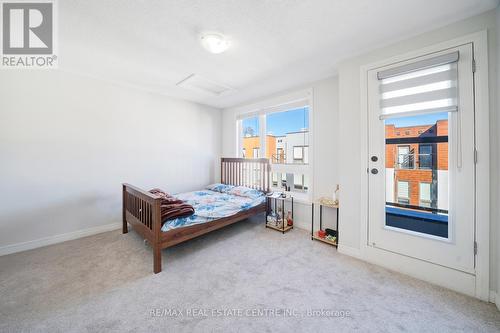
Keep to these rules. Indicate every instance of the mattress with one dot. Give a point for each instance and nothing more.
(211, 205)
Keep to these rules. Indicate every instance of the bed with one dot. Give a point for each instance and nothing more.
(214, 208)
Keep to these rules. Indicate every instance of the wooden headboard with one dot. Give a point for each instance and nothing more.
(251, 172)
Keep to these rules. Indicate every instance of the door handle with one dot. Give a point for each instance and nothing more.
(374, 171)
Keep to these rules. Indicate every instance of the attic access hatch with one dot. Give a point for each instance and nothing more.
(198, 83)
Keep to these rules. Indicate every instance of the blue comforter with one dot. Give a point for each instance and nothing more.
(211, 205)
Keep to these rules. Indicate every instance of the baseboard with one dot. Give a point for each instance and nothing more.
(350, 251)
(19, 247)
(493, 296)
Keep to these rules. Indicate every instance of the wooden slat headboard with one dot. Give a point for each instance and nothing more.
(251, 172)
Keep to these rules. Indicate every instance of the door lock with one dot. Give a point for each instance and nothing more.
(374, 158)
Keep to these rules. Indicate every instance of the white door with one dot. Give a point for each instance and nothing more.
(421, 139)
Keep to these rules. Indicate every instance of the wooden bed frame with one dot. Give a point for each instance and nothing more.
(141, 209)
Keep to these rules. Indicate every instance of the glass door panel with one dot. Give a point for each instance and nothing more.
(416, 188)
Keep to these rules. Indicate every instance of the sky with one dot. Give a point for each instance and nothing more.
(425, 119)
(280, 123)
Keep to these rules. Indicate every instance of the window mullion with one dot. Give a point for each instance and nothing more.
(262, 126)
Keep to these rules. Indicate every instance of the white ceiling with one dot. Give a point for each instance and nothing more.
(277, 44)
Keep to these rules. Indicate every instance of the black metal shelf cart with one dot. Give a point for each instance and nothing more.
(279, 201)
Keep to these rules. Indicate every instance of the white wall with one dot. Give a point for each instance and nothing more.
(495, 175)
(325, 144)
(67, 142)
(349, 129)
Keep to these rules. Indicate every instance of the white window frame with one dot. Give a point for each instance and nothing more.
(280, 104)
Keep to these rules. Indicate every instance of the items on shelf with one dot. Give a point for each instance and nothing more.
(272, 218)
(331, 232)
(336, 195)
(289, 219)
(326, 235)
(327, 201)
(277, 217)
(331, 238)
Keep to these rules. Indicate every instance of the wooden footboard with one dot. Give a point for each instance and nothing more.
(142, 210)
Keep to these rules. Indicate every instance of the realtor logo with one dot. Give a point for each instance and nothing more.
(28, 35)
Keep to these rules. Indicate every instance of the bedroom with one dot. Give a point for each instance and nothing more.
(160, 94)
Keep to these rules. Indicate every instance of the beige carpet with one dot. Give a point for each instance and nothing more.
(243, 278)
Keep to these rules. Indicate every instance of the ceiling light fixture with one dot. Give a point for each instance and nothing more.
(215, 42)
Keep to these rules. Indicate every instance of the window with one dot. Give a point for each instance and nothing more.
(274, 178)
(425, 156)
(425, 195)
(285, 143)
(300, 182)
(250, 128)
(300, 154)
(288, 132)
(283, 180)
(403, 194)
(280, 154)
(422, 170)
(405, 159)
(421, 98)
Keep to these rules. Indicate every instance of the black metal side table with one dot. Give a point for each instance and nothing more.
(321, 205)
(279, 201)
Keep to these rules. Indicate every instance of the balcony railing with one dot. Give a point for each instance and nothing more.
(421, 208)
(430, 221)
(278, 158)
(407, 161)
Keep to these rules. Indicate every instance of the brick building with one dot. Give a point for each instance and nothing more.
(416, 160)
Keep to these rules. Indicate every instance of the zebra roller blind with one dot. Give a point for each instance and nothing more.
(425, 86)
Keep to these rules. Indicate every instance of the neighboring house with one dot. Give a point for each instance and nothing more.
(416, 161)
(291, 148)
(251, 146)
(297, 147)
